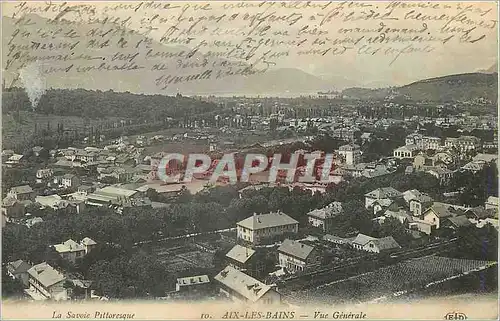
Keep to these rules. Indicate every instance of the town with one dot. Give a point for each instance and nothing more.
(412, 198)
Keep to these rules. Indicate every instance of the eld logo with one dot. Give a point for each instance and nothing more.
(455, 316)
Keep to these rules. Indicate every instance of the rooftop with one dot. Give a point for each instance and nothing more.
(260, 221)
(384, 192)
(443, 210)
(328, 211)
(21, 189)
(240, 253)
(69, 246)
(386, 243)
(46, 274)
(362, 239)
(115, 191)
(18, 266)
(243, 284)
(295, 249)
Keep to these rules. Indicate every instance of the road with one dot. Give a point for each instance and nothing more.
(185, 236)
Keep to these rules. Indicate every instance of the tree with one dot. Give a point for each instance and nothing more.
(11, 288)
(393, 227)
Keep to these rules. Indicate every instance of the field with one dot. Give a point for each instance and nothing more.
(15, 131)
(184, 258)
(393, 280)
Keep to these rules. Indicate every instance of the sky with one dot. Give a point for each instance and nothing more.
(454, 57)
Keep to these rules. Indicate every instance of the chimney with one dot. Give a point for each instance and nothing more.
(254, 214)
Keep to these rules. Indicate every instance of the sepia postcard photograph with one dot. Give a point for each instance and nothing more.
(249, 160)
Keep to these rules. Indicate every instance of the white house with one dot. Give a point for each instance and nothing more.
(260, 227)
(406, 152)
(46, 283)
(243, 288)
(351, 153)
(373, 244)
(492, 203)
(324, 217)
(71, 250)
(296, 256)
(380, 194)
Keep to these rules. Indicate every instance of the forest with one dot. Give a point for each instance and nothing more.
(101, 104)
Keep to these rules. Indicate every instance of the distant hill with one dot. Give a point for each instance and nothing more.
(461, 87)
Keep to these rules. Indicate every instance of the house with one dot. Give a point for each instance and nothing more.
(246, 260)
(406, 152)
(429, 142)
(360, 241)
(21, 193)
(422, 226)
(296, 256)
(457, 222)
(193, 285)
(71, 250)
(324, 217)
(383, 244)
(378, 170)
(12, 208)
(486, 158)
(243, 288)
(70, 181)
(421, 161)
(400, 214)
(373, 244)
(351, 154)
(56, 202)
(413, 139)
(443, 158)
(84, 190)
(111, 195)
(386, 204)
(122, 174)
(439, 212)
(463, 143)
(46, 283)
(260, 228)
(19, 270)
(492, 203)
(6, 153)
(89, 244)
(417, 201)
(479, 213)
(381, 193)
(14, 160)
(84, 156)
(443, 175)
(338, 240)
(474, 166)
